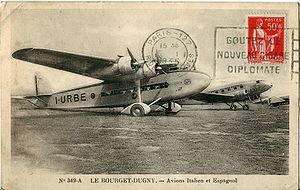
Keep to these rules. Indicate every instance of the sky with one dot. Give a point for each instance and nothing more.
(108, 32)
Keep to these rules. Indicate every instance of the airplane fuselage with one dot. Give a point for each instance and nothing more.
(165, 87)
(241, 91)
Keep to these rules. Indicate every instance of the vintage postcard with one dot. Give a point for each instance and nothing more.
(149, 95)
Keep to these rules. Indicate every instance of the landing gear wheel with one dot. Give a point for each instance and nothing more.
(245, 107)
(137, 110)
(173, 108)
(233, 107)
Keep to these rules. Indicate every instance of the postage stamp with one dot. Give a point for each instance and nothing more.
(265, 39)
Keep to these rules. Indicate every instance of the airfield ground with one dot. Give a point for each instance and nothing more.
(198, 140)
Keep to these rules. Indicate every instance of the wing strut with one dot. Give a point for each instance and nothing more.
(138, 87)
(36, 85)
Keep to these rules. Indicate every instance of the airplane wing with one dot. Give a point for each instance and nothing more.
(212, 97)
(79, 64)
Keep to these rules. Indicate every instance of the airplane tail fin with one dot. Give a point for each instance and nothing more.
(43, 91)
(42, 85)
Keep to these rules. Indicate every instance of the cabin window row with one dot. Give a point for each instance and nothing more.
(229, 89)
(133, 89)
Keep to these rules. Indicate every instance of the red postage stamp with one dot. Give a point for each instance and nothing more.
(265, 39)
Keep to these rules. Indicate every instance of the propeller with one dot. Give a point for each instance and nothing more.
(140, 64)
(158, 68)
(134, 63)
(133, 60)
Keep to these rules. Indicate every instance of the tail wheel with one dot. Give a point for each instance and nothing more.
(233, 107)
(245, 107)
(137, 110)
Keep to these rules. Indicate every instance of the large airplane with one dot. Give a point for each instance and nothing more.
(128, 83)
(231, 93)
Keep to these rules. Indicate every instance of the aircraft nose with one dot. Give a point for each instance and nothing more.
(202, 81)
(268, 86)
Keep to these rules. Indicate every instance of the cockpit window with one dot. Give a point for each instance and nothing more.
(257, 81)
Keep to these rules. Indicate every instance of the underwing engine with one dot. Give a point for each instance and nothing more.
(125, 66)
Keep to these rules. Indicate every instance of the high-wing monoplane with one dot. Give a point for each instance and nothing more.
(128, 83)
(238, 92)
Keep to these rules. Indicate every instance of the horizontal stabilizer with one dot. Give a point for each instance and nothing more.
(39, 101)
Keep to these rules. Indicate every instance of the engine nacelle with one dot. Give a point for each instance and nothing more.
(148, 70)
(124, 66)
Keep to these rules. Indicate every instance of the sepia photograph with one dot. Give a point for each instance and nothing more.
(154, 94)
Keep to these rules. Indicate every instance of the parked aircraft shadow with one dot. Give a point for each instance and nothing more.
(66, 113)
(216, 109)
(60, 113)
